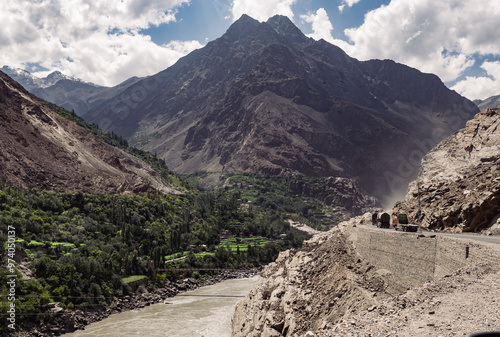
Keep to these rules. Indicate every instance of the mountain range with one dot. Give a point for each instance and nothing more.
(264, 97)
(33, 83)
(68, 92)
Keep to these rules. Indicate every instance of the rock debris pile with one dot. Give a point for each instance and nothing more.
(309, 289)
(463, 303)
(326, 290)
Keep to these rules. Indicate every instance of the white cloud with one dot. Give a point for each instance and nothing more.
(348, 3)
(481, 87)
(440, 37)
(98, 40)
(121, 56)
(321, 25)
(322, 28)
(262, 10)
(492, 68)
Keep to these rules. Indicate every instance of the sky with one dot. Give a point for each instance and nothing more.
(108, 41)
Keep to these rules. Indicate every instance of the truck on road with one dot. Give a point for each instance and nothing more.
(401, 222)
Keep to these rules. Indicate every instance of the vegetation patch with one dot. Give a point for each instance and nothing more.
(133, 278)
(242, 244)
(301, 198)
(62, 244)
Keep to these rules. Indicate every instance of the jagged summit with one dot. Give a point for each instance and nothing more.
(284, 26)
(280, 24)
(56, 76)
(242, 27)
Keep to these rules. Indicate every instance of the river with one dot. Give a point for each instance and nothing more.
(204, 312)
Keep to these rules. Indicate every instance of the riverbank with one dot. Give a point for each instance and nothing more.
(77, 320)
(206, 311)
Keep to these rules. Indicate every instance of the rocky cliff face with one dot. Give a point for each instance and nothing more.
(344, 194)
(264, 97)
(40, 148)
(459, 180)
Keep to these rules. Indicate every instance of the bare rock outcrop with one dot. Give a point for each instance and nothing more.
(459, 180)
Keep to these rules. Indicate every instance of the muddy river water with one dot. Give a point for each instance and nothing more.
(204, 312)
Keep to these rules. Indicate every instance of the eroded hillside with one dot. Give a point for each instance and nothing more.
(38, 147)
(309, 289)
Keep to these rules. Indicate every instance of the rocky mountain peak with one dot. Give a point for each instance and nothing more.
(242, 27)
(265, 98)
(56, 76)
(285, 27)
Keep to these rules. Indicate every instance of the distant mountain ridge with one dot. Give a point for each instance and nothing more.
(68, 92)
(492, 102)
(31, 82)
(264, 97)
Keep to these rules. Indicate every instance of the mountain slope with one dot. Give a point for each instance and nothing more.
(264, 97)
(69, 94)
(38, 147)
